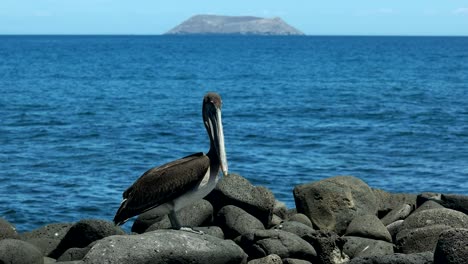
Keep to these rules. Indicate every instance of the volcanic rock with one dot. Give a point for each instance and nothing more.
(19, 252)
(452, 247)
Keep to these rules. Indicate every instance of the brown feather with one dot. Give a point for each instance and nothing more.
(162, 184)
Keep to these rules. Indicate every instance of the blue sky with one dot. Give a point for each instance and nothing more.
(332, 17)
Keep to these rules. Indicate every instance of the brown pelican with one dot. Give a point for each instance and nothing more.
(176, 184)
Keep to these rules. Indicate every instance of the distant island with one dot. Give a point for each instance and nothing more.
(234, 25)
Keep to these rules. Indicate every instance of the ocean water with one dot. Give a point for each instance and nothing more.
(82, 117)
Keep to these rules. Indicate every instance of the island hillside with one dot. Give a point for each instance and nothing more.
(233, 25)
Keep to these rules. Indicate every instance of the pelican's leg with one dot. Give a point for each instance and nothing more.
(176, 224)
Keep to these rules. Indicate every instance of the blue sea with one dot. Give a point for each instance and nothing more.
(82, 117)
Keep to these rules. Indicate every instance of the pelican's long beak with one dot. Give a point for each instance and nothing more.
(220, 139)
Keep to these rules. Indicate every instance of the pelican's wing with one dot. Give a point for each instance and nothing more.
(162, 184)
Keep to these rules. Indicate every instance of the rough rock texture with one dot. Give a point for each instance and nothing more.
(389, 201)
(394, 228)
(239, 25)
(235, 221)
(236, 190)
(428, 205)
(420, 239)
(215, 231)
(19, 252)
(73, 254)
(270, 259)
(51, 231)
(452, 247)
(280, 209)
(332, 203)
(439, 216)
(301, 218)
(164, 246)
(368, 226)
(451, 201)
(295, 261)
(196, 214)
(296, 228)
(400, 212)
(261, 243)
(328, 245)
(364, 247)
(7, 230)
(397, 258)
(45, 245)
(83, 233)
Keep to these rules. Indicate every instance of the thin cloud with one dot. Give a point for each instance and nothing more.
(461, 11)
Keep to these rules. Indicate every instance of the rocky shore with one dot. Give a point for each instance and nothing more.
(336, 220)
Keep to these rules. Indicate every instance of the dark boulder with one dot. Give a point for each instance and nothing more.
(389, 201)
(234, 221)
(420, 239)
(328, 245)
(73, 254)
(364, 247)
(368, 226)
(452, 201)
(85, 232)
(397, 258)
(7, 230)
(452, 247)
(428, 205)
(19, 252)
(45, 245)
(270, 259)
(394, 228)
(215, 231)
(301, 218)
(297, 228)
(398, 213)
(439, 216)
(50, 231)
(332, 203)
(165, 246)
(197, 214)
(261, 243)
(295, 261)
(238, 191)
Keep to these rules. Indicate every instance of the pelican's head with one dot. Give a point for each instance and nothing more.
(212, 118)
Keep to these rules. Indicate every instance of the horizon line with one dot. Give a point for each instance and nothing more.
(240, 35)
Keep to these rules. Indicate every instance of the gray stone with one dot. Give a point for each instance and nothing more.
(364, 247)
(270, 259)
(85, 232)
(397, 258)
(275, 220)
(235, 221)
(45, 245)
(301, 218)
(295, 261)
(71, 262)
(261, 243)
(456, 202)
(394, 228)
(51, 231)
(296, 228)
(165, 246)
(19, 252)
(332, 203)
(48, 260)
(368, 226)
(73, 254)
(439, 216)
(197, 214)
(280, 209)
(427, 196)
(420, 239)
(215, 231)
(428, 205)
(236, 190)
(328, 245)
(452, 247)
(389, 201)
(399, 213)
(7, 230)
